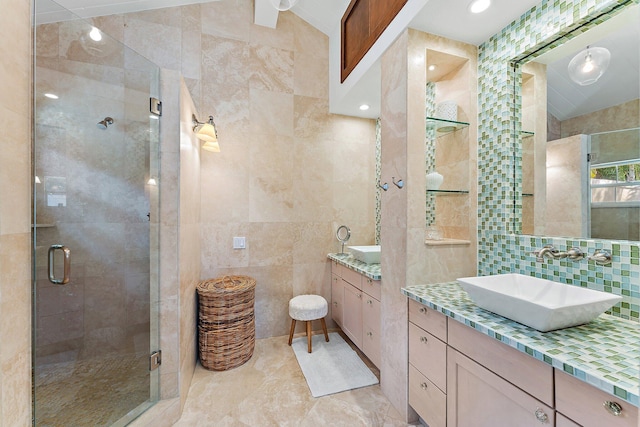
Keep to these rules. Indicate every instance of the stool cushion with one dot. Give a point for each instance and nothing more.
(308, 307)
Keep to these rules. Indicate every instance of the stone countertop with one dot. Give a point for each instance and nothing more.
(372, 271)
(604, 353)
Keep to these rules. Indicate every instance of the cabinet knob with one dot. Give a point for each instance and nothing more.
(423, 340)
(369, 281)
(423, 310)
(359, 295)
(541, 416)
(424, 386)
(613, 408)
(335, 303)
(369, 334)
(369, 302)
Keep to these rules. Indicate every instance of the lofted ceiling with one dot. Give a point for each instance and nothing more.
(447, 18)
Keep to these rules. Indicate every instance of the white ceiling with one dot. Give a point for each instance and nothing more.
(620, 83)
(447, 18)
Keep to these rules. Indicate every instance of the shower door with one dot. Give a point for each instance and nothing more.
(94, 227)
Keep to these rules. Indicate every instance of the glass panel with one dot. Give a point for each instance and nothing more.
(95, 149)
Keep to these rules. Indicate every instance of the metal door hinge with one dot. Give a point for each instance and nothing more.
(588, 157)
(155, 360)
(155, 106)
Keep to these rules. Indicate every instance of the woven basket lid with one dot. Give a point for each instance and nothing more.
(227, 284)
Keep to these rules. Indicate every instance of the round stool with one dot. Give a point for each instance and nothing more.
(307, 308)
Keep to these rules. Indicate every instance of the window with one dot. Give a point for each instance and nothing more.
(616, 182)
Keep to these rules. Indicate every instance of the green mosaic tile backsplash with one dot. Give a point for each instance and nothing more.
(500, 248)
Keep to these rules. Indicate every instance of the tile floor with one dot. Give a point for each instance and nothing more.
(270, 390)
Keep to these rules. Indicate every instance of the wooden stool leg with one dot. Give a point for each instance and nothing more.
(293, 327)
(324, 329)
(309, 336)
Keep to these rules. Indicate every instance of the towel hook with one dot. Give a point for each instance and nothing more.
(398, 184)
(384, 186)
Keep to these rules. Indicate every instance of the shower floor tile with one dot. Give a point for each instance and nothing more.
(90, 392)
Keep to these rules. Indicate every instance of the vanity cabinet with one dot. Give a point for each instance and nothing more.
(355, 307)
(459, 377)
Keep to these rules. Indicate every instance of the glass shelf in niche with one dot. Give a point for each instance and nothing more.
(526, 134)
(527, 194)
(443, 126)
(447, 192)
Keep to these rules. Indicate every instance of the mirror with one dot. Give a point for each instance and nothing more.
(581, 143)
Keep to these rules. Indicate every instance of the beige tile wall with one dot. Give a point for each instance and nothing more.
(15, 214)
(289, 172)
(394, 233)
(189, 245)
(405, 258)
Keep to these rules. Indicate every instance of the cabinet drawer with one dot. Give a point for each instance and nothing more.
(516, 367)
(427, 399)
(353, 277)
(371, 344)
(562, 421)
(429, 355)
(586, 404)
(371, 313)
(430, 320)
(335, 268)
(372, 287)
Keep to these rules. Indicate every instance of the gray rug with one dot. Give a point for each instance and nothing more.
(332, 367)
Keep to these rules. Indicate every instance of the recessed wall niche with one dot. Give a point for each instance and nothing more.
(447, 147)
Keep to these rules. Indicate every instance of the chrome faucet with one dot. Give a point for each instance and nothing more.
(548, 251)
(601, 257)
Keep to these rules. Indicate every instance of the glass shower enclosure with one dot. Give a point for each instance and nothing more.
(95, 214)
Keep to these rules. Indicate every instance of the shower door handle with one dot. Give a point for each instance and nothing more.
(66, 254)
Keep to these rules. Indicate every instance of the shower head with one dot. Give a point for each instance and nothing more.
(103, 124)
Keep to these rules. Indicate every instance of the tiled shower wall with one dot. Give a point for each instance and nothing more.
(500, 248)
(104, 309)
(15, 214)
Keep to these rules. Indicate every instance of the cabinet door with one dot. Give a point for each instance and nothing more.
(352, 313)
(337, 299)
(371, 328)
(476, 397)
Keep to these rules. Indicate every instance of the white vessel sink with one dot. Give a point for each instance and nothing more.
(368, 254)
(538, 303)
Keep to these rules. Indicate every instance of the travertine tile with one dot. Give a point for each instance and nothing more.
(270, 390)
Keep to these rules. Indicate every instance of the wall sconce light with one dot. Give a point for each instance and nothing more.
(206, 131)
(589, 65)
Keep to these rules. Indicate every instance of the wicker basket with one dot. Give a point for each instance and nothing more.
(226, 323)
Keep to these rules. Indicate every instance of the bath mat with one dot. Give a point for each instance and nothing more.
(332, 367)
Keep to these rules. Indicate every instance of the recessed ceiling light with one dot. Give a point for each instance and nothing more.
(478, 6)
(51, 95)
(364, 107)
(432, 67)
